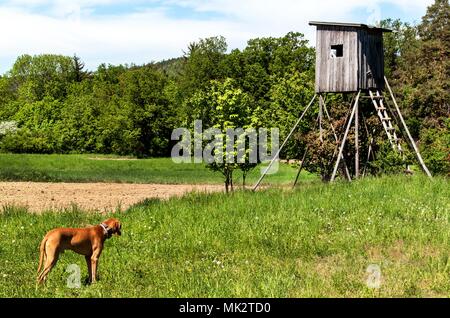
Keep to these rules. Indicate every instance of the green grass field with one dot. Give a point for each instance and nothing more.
(100, 168)
(316, 241)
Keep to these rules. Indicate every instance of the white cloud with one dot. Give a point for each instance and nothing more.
(68, 27)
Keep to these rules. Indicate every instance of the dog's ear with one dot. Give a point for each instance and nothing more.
(117, 227)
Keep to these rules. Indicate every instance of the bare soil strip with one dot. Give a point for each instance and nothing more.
(102, 197)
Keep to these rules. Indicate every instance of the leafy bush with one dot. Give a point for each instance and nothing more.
(27, 141)
(435, 144)
(389, 161)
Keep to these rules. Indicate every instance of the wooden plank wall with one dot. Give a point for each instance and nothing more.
(362, 53)
(336, 74)
(371, 59)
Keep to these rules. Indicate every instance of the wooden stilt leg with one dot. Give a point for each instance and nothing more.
(413, 144)
(344, 138)
(321, 102)
(357, 141)
(369, 152)
(301, 167)
(347, 173)
(302, 163)
(275, 157)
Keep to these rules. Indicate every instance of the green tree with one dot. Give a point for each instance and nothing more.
(144, 95)
(202, 64)
(288, 97)
(78, 69)
(397, 44)
(79, 125)
(229, 107)
(423, 79)
(39, 76)
(425, 86)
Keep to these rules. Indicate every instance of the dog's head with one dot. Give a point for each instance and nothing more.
(114, 226)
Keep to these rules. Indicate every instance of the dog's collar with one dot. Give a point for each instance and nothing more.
(105, 228)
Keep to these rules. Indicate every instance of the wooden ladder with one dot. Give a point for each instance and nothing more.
(386, 121)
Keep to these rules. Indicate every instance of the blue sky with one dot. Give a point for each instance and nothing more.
(141, 31)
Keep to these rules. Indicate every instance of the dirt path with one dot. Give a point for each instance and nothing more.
(39, 196)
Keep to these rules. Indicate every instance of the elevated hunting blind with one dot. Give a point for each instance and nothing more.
(350, 59)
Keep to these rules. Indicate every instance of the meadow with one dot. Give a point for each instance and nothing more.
(316, 241)
(110, 168)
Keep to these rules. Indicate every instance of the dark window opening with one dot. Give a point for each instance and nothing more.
(337, 51)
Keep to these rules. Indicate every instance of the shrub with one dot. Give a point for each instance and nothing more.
(389, 161)
(435, 144)
(27, 141)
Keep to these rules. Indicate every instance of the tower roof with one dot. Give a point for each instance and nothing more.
(350, 25)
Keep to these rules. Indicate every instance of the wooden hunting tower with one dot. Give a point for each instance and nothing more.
(349, 57)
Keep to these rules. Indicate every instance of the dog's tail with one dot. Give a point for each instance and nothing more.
(42, 253)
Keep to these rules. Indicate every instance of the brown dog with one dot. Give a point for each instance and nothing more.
(86, 241)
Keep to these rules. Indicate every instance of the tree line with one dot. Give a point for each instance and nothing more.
(52, 104)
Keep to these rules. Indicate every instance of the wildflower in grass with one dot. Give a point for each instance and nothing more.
(218, 263)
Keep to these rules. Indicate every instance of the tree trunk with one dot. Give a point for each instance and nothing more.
(227, 183)
(231, 180)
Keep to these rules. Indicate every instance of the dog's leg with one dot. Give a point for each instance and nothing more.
(51, 259)
(94, 262)
(88, 262)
